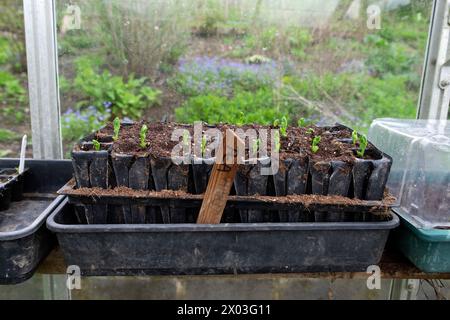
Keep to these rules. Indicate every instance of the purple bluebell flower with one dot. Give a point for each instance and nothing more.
(206, 74)
(107, 104)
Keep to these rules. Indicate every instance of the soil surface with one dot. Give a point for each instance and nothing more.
(335, 142)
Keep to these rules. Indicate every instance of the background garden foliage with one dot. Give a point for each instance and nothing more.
(221, 61)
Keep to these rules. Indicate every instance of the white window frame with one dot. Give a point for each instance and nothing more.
(43, 89)
(434, 98)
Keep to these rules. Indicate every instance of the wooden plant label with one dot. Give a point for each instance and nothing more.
(221, 180)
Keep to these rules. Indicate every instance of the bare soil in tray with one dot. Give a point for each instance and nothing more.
(335, 141)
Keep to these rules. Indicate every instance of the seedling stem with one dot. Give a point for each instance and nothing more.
(116, 124)
(315, 144)
(143, 136)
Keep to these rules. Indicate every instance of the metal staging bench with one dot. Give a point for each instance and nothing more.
(406, 279)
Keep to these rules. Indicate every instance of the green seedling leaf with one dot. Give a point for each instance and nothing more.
(284, 126)
(116, 124)
(203, 146)
(310, 131)
(315, 144)
(143, 136)
(354, 137)
(186, 138)
(255, 146)
(241, 119)
(301, 122)
(96, 145)
(362, 146)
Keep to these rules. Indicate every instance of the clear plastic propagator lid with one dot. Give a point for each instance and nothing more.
(420, 174)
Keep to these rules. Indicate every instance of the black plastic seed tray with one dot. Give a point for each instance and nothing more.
(24, 238)
(363, 179)
(227, 248)
(117, 204)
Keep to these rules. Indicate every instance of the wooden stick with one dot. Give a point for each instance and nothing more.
(221, 180)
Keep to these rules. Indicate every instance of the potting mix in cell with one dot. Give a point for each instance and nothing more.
(323, 174)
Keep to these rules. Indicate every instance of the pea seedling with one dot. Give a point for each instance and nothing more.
(96, 145)
(186, 138)
(282, 124)
(277, 141)
(256, 145)
(315, 144)
(203, 146)
(143, 136)
(116, 124)
(241, 119)
(301, 122)
(310, 131)
(362, 146)
(354, 137)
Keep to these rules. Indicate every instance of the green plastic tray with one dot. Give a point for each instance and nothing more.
(427, 249)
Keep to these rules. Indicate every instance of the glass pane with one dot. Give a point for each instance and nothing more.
(239, 61)
(14, 110)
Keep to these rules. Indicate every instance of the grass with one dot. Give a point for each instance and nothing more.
(7, 135)
(5, 153)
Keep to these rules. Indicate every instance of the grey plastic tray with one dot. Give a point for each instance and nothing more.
(24, 238)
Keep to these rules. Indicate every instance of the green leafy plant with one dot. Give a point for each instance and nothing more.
(301, 122)
(96, 145)
(116, 125)
(362, 146)
(75, 123)
(310, 131)
(315, 144)
(74, 41)
(12, 97)
(7, 135)
(241, 119)
(126, 98)
(374, 96)
(143, 136)
(282, 124)
(245, 107)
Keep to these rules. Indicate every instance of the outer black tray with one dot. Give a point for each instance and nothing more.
(24, 238)
(231, 248)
